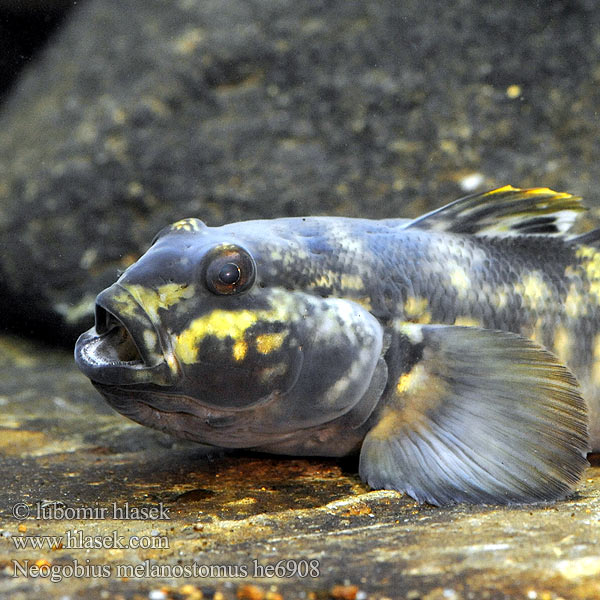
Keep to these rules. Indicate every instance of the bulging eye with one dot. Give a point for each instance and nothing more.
(230, 270)
(230, 274)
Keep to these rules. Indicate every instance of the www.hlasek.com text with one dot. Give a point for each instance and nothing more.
(76, 539)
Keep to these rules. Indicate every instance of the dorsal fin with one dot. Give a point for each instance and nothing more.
(506, 211)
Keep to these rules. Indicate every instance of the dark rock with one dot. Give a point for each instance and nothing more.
(144, 112)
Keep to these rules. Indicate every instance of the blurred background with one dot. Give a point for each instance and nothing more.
(117, 118)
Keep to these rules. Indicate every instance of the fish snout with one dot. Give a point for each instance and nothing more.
(123, 347)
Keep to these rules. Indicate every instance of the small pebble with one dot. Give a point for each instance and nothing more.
(250, 592)
(344, 592)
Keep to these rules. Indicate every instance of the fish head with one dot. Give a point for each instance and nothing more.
(195, 339)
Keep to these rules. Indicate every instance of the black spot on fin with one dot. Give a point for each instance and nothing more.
(506, 211)
(483, 417)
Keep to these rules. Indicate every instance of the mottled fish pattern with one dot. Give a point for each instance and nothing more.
(458, 353)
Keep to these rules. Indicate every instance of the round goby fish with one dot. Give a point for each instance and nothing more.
(453, 351)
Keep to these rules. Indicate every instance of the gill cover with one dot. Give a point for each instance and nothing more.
(302, 360)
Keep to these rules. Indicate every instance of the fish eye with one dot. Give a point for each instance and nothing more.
(230, 270)
(229, 274)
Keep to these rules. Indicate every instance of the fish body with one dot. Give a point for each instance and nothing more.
(458, 353)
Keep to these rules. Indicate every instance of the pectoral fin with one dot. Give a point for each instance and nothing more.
(480, 416)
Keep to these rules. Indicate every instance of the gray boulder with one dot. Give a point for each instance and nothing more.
(147, 111)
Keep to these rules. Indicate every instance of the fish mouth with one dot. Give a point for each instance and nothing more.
(115, 350)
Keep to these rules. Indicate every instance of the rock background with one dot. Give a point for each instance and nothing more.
(138, 114)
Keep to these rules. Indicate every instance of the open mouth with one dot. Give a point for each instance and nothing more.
(116, 344)
(113, 352)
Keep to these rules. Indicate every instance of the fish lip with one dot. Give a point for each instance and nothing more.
(97, 355)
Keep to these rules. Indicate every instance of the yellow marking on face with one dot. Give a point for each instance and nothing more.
(268, 342)
(460, 280)
(562, 343)
(223, 324)
(218, 323)
(171, 293)
(152, 300)
(351, 282)
(127, 304)
(186, 225)
(593, 268)
(240, 349)
(534, 287)
(298, 256)
(466, 321)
